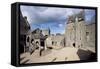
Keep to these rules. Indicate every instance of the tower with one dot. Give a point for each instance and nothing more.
(70, 30)
(80, 29)
(75, 30)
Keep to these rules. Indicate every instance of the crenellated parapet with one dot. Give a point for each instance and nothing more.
(81, 16)
(76, 17)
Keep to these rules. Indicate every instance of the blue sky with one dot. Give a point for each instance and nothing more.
(52, 17)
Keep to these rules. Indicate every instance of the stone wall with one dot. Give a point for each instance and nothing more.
(56, 40)
(90, 36)
(79, 34)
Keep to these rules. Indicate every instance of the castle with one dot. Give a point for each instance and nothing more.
(77, 34)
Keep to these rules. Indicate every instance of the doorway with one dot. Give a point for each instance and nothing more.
(42, 43)
(73, 44)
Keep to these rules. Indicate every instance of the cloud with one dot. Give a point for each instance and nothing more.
(36, 14)
(52, 17)
(89, 16)
(60, 25)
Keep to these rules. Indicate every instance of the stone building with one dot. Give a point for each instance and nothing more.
(80, 30)
(55, 40)
(75, 30)
(70, 31)
(78, 33)
(24, 34)
(90, 36)
(39, 38)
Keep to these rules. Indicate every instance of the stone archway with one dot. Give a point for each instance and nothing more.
(73, 44)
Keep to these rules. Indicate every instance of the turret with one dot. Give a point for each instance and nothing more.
(80, 16)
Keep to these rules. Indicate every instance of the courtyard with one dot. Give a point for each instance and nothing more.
(56, 55)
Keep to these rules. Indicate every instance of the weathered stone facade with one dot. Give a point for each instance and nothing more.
(90, 36)
(75, 30)
(55, 40)
(39, 38)
(78, 34)
(24, 33)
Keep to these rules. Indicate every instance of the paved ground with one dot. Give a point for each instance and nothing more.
(54, 55)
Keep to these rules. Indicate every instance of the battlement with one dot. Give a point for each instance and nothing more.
(80, 16)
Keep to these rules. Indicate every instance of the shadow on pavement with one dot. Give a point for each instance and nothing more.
(86, 55)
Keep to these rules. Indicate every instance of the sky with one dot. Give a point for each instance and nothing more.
(52, 18)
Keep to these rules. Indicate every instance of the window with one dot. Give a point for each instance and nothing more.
(87, 33)
(87, 36)
(37, 42)
(52, 42)
(28, 39)
(32, 40)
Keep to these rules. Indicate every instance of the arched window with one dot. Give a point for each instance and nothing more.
(32, 40)
(28, 39)
(52, 42)
(37, 42)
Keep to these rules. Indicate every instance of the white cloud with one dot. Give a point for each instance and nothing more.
(60, 25)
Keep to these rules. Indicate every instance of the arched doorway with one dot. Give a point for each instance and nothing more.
(73, 44)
